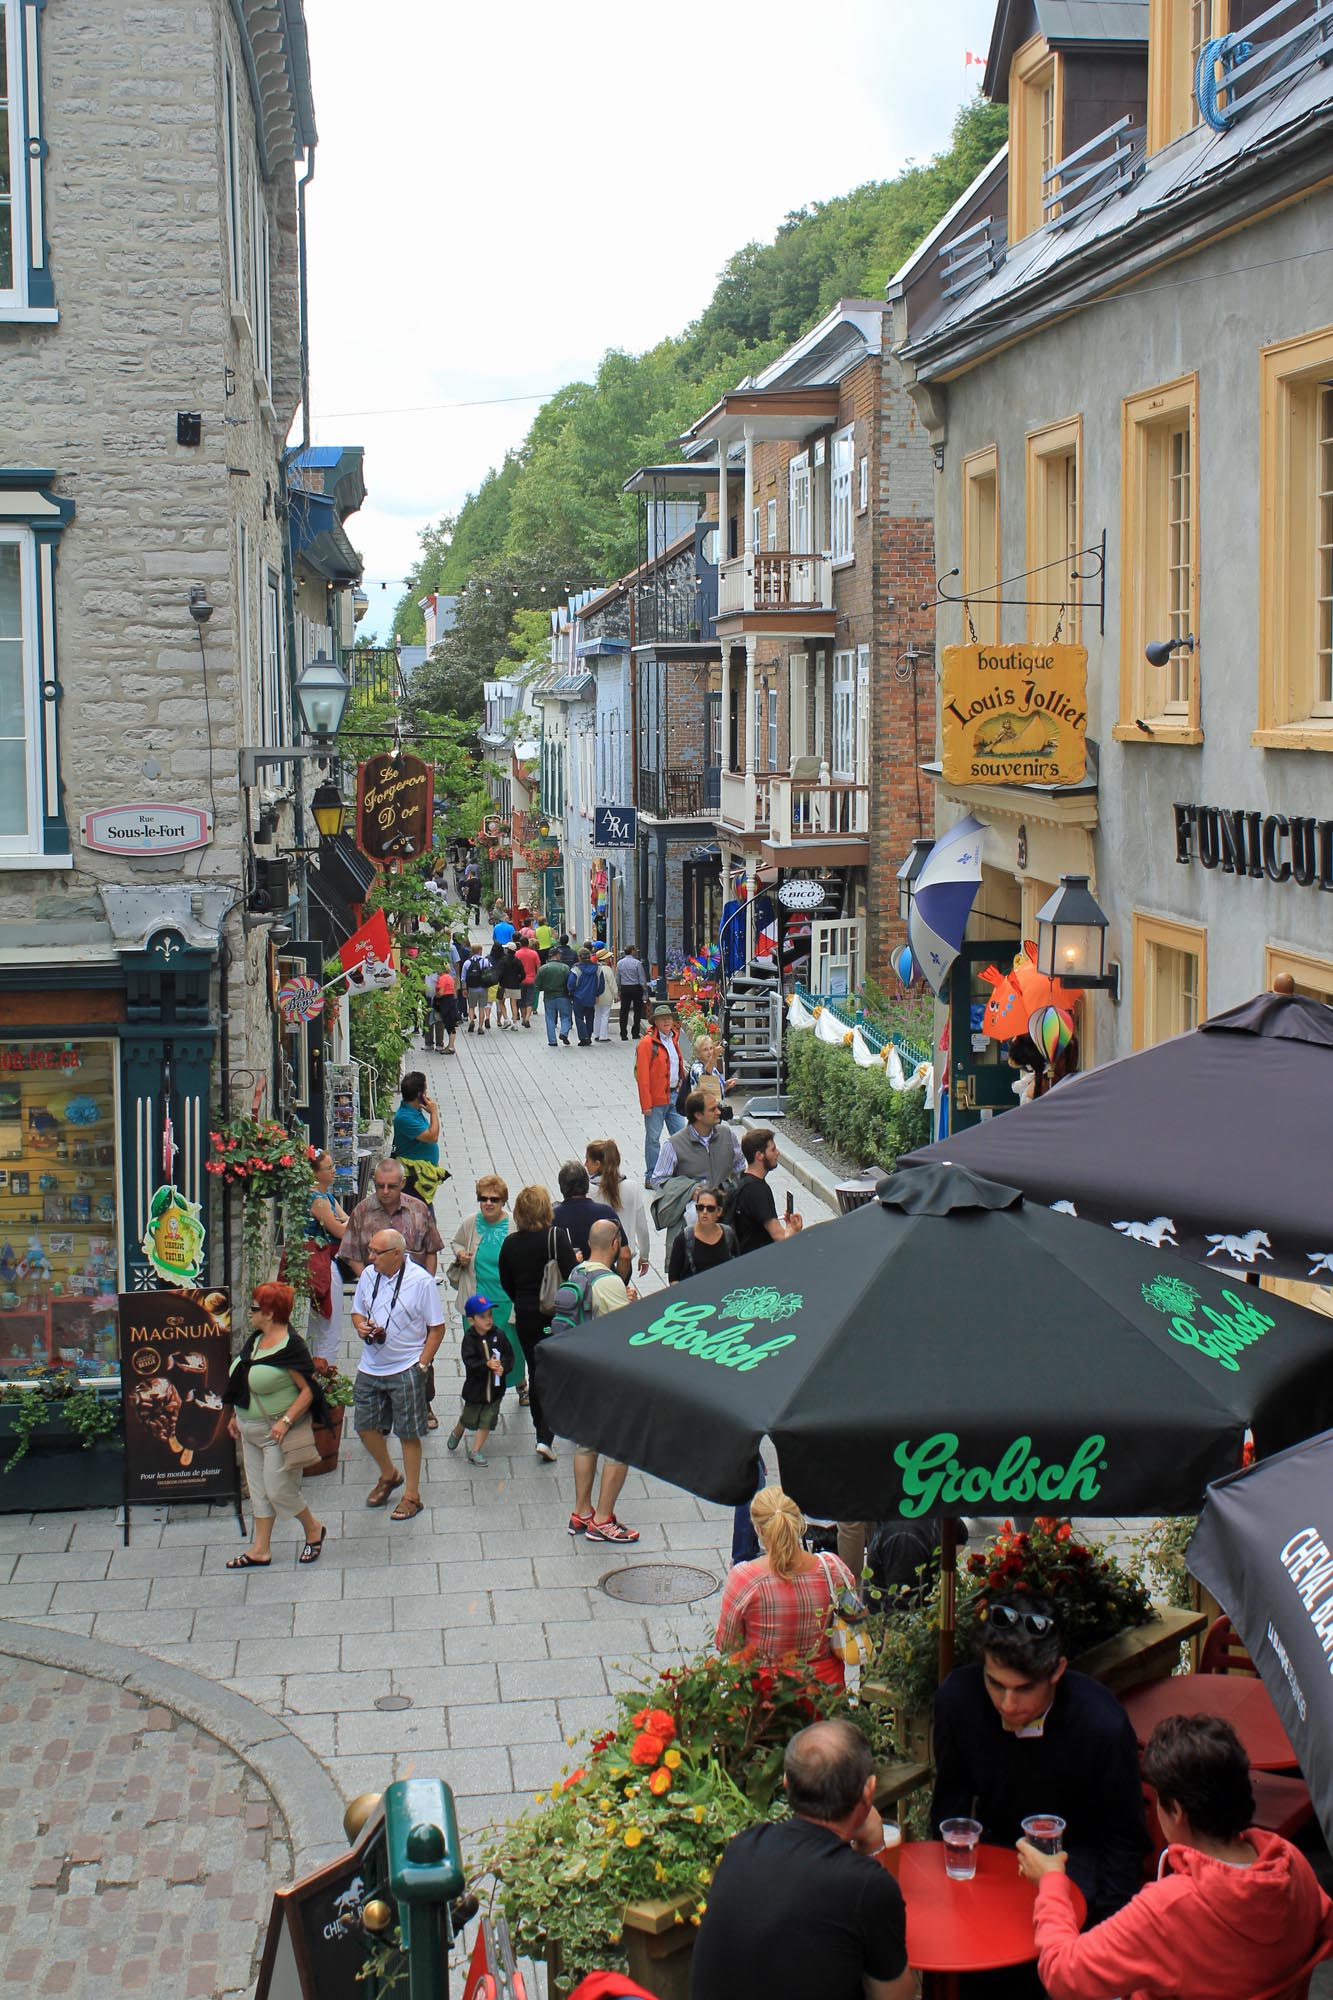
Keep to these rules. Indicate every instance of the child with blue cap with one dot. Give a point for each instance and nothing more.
(487, 1359)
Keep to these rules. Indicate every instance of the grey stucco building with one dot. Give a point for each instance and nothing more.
(1121, 340)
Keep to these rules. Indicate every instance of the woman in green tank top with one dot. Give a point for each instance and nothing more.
(272, 1387)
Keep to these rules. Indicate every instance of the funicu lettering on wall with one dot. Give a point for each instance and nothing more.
(1260, 845)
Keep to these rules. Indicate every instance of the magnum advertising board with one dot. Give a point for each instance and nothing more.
(395, 799)
(175, 1356)
(1014, 715)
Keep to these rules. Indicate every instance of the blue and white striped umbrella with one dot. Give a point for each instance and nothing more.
(945, 891)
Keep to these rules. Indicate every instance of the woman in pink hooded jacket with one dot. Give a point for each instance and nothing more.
(1239, 1910)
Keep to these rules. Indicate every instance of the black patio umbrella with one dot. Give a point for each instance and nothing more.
(947, 1349)
(1264, 1547)
(1218, 1143)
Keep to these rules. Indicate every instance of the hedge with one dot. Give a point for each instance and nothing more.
(857, 1110)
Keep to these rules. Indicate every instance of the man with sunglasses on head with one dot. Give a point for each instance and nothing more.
(1018, 1733)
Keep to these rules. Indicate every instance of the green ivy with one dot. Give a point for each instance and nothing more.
(89, 1415)
(856, 1109)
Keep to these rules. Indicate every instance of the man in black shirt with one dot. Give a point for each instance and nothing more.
(576, 1212)
(1019, 1734)
(754, 1212)
(799, 1909)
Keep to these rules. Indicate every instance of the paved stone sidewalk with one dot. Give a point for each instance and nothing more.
(482, 1612)
(139, 1851)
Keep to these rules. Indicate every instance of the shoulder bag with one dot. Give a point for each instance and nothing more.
(298, 1445)
(456, 1271)
(552, 1279)
(846, 1615)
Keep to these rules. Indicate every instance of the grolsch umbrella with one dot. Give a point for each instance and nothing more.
(1264, 1547)
(949, 1348)
(1218, 1143)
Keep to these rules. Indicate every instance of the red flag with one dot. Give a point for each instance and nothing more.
(969, 59)
(371, 941)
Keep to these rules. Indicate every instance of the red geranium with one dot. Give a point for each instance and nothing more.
(646, 1749)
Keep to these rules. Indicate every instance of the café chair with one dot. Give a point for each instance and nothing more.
(1297, 1985)
(1223, 1652)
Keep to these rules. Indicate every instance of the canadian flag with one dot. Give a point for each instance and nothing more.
(371, 941)
(969, 59)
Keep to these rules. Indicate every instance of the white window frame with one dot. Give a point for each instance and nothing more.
(260, 283)
(798, 699)
(771, 525)
(29, 842)
(28, 298)
(272, 670)
(841, 460)
(772, 727)
(842, 759)
(800, 517)
(245, 629)
(862, 483)
(861, 725)
(755, 542)
(231, 159)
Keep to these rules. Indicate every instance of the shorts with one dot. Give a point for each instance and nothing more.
(396, 1403)
(527, 997)
(479, 1416)
(492, 995)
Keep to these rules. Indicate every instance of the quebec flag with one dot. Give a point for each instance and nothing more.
(945, 892)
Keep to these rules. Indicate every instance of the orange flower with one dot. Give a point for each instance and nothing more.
(645, 1749)
(574, 1778)
(660, 1782)
(655, 1722)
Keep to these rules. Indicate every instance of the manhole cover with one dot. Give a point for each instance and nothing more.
(659, 1583)
(393, 1701)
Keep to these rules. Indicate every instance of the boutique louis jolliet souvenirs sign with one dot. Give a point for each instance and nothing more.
(1014, 715)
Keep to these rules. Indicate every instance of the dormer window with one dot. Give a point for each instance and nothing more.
(1177, 33)
(1035, 119)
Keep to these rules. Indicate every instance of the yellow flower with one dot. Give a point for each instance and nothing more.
(631, 1791)
(555, 1789)
(659, 1872)
(698, 1815)
(571, 1740)
(701, 1907)
(632, 1836)
(672, 1760)
(695, 1920)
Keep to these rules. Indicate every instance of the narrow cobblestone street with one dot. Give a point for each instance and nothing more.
(483, 1612)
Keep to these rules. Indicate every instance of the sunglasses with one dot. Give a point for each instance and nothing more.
(491, 1200)
(1008, 1619)
(705, 1208)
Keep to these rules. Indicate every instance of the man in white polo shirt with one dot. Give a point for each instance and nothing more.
(398, 1315)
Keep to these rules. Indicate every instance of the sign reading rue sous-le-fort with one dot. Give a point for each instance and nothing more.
(1014, 715)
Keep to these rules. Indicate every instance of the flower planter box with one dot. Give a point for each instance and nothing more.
(56, 1474)
(658, 1942)
(329, 1439)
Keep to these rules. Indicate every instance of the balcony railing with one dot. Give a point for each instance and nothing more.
(1093, 172)
(1253, 63)
(669, 617)
(969, 257)
(774, 580)
(787, 811)
(679, 793)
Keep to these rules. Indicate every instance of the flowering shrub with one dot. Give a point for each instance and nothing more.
(1095, 1596)
(268, 1165)
(655, 1800)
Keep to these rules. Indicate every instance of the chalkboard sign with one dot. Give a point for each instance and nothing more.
(315, 1946)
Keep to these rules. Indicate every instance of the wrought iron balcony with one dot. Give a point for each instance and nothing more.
(679, 793)
(670, 616)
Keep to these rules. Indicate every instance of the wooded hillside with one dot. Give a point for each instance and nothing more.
(554, 512)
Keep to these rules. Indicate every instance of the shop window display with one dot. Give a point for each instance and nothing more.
(59, 1262)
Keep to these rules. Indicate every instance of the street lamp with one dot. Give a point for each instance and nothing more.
(322, 692)
(327, 809)
(908, 875)
(1071, 938)
(1158, 651)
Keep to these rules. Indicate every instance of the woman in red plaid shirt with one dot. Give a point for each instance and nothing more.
(780, 1603)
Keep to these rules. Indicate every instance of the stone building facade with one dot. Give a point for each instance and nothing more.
(150, 370)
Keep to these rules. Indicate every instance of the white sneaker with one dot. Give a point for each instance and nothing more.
(547, 1452)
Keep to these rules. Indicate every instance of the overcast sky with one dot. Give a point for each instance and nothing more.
(504, 192)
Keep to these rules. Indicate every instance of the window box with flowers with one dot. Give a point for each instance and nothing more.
(614, 1864)
(274, 1172)
(60, 1442)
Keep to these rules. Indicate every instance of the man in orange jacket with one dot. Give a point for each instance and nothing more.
(658, 1069)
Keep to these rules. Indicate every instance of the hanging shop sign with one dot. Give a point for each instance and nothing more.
(801, 894)
(148, 829)
(1014, 715)
(1277, 846)
(173, 1242)
(614, 826)
(394, 798)
(175, 1356)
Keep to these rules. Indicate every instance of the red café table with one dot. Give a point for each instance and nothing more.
(976, 1926)
(1239, 1699)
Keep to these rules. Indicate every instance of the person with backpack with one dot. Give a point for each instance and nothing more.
(586, 984)
(535, 1259)
(591, 1289)
(477, 974)
(711, 1241)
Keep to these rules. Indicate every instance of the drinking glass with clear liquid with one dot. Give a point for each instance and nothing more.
(1046, 1831)
(960, 1837)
